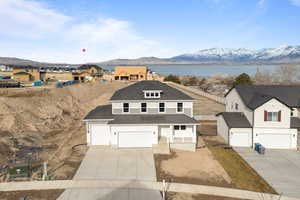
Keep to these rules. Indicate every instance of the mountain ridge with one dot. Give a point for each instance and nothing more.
(285, 54)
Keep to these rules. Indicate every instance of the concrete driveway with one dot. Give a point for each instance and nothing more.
(115, 164)
(280, 168)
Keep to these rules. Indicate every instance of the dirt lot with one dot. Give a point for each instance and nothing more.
(203, 106)
(52, 119)
(31, 195)
(240, 172)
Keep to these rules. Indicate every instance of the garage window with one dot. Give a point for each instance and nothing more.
(272, 116)
(125, 107)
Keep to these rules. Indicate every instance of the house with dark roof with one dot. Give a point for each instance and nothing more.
(142, 114)
(268, 115)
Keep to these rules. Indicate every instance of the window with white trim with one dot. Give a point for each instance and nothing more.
(161, 107)
(152, 94)
(143, 107)
(179, 107)
(272, 116)
(125, 107)
(180, 127)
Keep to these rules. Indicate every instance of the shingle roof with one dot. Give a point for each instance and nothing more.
(235, 119)
(100, 112)
(135, 92)
(254, 95)
(295, 122)
(105, 112)
(154, 119)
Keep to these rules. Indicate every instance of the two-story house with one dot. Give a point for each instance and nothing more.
(261, 114)
(142, 113)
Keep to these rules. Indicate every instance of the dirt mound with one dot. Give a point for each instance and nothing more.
(46, 117)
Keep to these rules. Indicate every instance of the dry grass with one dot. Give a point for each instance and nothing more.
(242, 175)
(188, 196)
(31, 195)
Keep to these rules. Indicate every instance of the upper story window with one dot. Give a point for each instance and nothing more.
(161, 107)
(125, 107)
(152, 94)
(180, 107)
(236, 106)
(272, 116)
(143, 107)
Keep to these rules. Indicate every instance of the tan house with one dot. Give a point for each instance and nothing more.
(132, 73)
(26, 73)
(90, 70)
(22, 76)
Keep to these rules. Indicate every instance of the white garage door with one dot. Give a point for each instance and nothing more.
(240, 139)
(275, 141)
(131, 139)
(99, 134)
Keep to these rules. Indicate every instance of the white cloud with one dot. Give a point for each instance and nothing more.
(60, 41)
(28, 18)
(295, 2)
(261, 3)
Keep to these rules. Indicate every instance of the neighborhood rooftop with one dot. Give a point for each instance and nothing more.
(235, 119)
(135, 92)
(255, 95)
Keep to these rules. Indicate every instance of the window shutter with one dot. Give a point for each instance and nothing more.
(279, 116)
(265, 115)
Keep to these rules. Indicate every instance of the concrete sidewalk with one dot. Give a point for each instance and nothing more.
(115, 164)
(126, 189)
(280, 168)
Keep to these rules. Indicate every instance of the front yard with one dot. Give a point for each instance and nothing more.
(211, 164)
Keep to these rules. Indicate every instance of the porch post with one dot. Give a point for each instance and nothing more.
(194, 134)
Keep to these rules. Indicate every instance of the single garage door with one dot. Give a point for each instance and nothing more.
(275, 141)
(240, 139)
(132, 139)
(99, 134)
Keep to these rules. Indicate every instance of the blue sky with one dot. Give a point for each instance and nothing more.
(57, 30)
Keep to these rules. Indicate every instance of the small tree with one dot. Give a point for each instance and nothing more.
(172, 78)
(242, 79)
(192, 81)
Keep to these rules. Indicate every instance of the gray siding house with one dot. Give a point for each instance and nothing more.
(140, 115)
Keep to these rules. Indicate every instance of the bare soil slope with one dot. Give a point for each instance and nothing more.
(51, 118)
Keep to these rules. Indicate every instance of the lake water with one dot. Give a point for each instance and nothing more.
(206, 70)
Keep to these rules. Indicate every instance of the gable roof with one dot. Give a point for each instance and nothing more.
(235, 119)
(135, 92)
(255, 95)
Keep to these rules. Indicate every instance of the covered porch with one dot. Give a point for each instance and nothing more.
(178, 133)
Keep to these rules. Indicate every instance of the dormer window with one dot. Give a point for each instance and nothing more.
(152, 94)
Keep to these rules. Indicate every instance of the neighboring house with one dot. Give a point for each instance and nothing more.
(140, 115)
(261, 114)
(131, 73)
(26, 73)
(91, 70)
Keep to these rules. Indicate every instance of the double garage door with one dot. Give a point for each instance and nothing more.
(268, 140)
(275, 140)
(134, 139)
(100, 135)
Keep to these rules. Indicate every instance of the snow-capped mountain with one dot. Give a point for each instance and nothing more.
(282, 53)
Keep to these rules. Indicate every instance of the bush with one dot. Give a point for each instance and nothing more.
(242, 79)
(172, 78)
